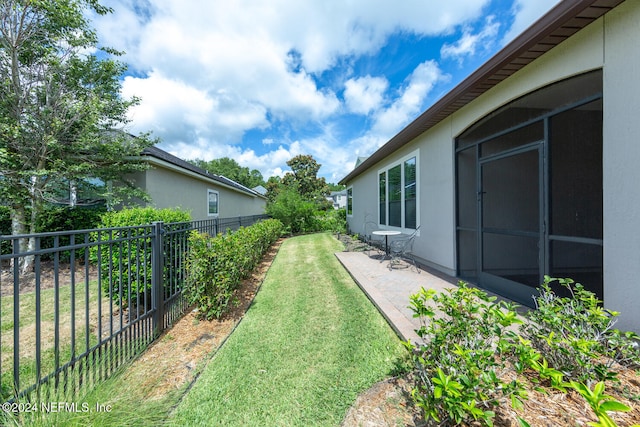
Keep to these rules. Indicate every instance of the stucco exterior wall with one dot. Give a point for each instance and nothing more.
(609, 43)
(171, 189)
(621, 158)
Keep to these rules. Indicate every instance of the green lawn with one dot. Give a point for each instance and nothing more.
(308, 346)
(83, 296)
(310, 343)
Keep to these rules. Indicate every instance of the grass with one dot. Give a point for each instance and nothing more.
(307, 347)
(305, 350)
(28, 306)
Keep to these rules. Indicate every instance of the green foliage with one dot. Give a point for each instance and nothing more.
(54, 218)
(142, 216)
(336, 187)
(576, 334)
(60, 95)
(460, 364)
(125, 268)
(303, 179)
(229, 168)
(334, 220)
(296, 214)
(299, 215)
(600, 403)
(5, 229)
(64, 218)
(471, 341)
(216, 265)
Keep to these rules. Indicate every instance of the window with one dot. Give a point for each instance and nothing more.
(350, 201)
(398, 194)
(382, 197)
(212, 203)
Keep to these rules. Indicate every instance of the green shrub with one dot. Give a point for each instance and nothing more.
(296, 214)
(460, 365)
(64, 218)
(5, 229)
(126, 266)
(576, 334)
(470, 342)
(55, 218)
(216, 265)
(334, 220)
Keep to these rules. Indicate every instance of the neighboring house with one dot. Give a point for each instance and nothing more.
(175, 183)
(338, 199)
(529, 166)
(260, 189)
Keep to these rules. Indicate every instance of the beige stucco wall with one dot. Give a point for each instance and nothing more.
(621, 157)
(171, 189)
(609, 43)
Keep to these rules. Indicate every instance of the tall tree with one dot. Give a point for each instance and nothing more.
(59, 96)
(304, 178)
(229, 168)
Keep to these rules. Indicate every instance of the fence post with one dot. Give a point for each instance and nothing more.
(157, 288)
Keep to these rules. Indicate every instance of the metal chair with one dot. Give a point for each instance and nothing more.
(402, 248)
(370, 239)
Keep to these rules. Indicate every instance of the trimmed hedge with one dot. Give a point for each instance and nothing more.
(216, 265)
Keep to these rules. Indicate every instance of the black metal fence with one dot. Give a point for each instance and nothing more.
(78, 304)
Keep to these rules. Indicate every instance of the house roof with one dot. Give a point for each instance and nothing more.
(565, 19)
(162, 155)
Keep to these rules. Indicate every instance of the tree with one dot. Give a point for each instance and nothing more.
(304, 178)
(336, 187)
(229, 168)
(274, 187)
(59, 99)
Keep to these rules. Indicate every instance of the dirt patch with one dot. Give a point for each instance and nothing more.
(176, 356)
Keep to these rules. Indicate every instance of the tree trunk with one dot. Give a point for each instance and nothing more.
(18, 227)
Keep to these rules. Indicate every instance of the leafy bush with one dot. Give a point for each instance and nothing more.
(296, 214)
(54, 218)
(63, 218)
(216, 265)
(126, 266)
(576, 334)
(334, 220)
(471, 341)
(5, 229)
(460, 364)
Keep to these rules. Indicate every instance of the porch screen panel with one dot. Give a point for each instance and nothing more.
(382, 196)
(410, 193)
(395, 196)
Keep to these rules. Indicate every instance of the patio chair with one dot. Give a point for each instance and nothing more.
(402, 248)
(371, 240)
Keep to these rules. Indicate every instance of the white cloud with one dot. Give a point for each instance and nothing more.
(365, 94)
(410, 102)
(175, 110)
(209, 72)
(469, 43)
(525, 13)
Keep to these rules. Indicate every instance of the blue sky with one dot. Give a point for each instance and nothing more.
(264, 81)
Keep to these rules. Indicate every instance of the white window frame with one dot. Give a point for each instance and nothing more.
(349, 201)
(209, 193)
(401, 161)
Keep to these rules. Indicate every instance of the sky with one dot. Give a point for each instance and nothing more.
(261, 81)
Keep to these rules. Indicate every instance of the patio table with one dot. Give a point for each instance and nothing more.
(386, 234)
